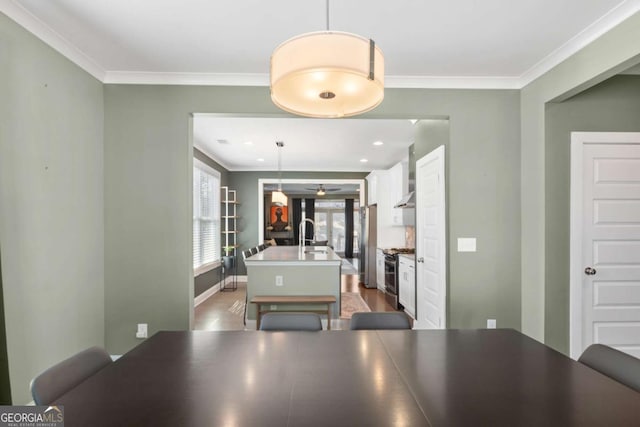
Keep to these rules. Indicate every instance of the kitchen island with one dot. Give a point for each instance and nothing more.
(293, 270)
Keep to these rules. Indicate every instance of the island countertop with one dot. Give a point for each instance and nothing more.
(294, 255)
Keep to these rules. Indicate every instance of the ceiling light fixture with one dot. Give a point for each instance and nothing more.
(320, 191)
(327, 74)
(278, 198)
(363, 160)
(378, 143)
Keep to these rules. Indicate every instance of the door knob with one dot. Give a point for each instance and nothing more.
(421, 259)
(589, 271)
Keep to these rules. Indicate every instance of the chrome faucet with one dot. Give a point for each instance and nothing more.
(302, 231)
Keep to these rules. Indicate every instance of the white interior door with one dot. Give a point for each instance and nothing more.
(605, 243)
(431, 283)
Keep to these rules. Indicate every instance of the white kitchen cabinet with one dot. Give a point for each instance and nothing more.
(407, 284)
(398, 177)
(380, 269)
(373, 187)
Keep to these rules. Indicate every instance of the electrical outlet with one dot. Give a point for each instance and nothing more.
(279, 281)
(142, 330)
(491, 323)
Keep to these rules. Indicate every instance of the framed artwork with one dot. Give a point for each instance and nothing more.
(279, 217)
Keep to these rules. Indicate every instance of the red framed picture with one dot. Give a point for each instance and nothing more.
(279, 217)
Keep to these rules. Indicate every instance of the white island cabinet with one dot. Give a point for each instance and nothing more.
(407, 283)
(293, 270)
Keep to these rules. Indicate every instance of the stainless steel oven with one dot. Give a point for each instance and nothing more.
(391, 274)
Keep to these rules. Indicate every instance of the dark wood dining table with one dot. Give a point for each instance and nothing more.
(412, 378)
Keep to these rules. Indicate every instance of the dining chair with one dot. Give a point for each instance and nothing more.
(246, 254)
(613, 363)
(379, 320)
(254, 250)
(290, 322)
(62, 377)
(262, 247)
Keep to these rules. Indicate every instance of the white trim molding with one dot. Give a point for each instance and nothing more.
(40, 29)
(35, 26)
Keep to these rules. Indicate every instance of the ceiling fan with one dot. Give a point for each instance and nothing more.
(321, 191)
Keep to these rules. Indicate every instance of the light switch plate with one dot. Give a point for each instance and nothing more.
(466, 244)
(491, 323)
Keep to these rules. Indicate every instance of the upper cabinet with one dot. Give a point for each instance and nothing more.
(398, 177)
(373, 187)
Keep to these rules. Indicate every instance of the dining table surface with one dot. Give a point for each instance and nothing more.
(400, 378)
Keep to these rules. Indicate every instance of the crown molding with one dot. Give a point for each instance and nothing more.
(186, 79)
(31, 23)
(607, 22)
(247, 79)
(35, 26)
(452, 82)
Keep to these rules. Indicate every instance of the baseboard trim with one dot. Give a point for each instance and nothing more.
(206, 294)
(215, 289)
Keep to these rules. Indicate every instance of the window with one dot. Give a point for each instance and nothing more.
(206, 217)
(330, 223)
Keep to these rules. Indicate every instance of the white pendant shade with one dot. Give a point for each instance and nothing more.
(278, 198)
(326, 74)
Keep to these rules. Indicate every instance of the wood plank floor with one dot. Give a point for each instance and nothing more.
(224, 311)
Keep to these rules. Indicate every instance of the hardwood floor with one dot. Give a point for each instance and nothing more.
(224, 311)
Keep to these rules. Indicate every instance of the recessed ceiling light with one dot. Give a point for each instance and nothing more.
(363, 160)
(260, 160)
(248, 143)
(378, 143)
(413, 121)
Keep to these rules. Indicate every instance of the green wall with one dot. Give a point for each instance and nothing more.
(148, 271)
(613, 105)
(483, 201)
(51, 206)
(5, 385)
(608, 55)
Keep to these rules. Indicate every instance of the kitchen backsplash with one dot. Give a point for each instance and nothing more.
(410, 237)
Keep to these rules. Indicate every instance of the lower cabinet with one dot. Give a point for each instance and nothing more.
(407, 284)
(380, 269)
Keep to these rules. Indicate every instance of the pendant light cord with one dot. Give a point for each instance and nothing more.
(327, 15)
(280, 144)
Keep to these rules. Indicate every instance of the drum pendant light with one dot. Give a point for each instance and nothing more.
(327, 74)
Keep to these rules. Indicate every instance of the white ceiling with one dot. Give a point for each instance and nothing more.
(455, 43)
(309, 144)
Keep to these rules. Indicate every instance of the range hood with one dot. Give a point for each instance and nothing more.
(407, 201)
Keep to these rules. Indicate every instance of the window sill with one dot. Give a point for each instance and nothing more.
(206, 268)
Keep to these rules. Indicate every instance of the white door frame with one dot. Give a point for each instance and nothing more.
(578, 141)
(439, 155)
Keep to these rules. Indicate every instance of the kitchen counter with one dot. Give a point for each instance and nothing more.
(294, 254)
(293, 270)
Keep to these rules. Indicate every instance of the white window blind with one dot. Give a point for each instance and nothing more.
(206, 217)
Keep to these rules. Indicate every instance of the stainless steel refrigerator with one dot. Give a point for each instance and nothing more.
(368, 245)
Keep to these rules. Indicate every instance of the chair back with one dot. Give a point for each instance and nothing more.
(254, 250)
(262, 247)
(60, 378)
(382, 320)
(246, 254)
(291, 322)
(613, 363)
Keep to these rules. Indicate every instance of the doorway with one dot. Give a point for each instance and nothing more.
(605, 241)
(431, 245)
